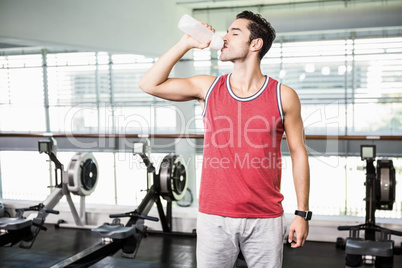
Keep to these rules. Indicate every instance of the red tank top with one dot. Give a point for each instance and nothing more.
(241, 174)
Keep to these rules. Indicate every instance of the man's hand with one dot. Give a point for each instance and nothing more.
(192, 43)
(298, 232)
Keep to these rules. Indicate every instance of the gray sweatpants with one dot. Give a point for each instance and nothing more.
(219, 240)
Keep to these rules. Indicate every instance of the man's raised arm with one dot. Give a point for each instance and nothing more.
(157, 82)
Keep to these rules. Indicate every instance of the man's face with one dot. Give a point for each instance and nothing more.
(236, 41)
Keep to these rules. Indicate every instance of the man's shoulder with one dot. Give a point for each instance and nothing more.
(287, 89)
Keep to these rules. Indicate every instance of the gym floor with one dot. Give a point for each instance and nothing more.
(157, 250)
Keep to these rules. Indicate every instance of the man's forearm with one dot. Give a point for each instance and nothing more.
(160, 71)
(301, 178)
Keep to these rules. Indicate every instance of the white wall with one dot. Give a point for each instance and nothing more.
(128, 26)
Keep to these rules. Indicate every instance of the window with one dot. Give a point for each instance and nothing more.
(21, 94)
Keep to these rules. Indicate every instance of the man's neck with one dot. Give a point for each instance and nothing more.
(246, 79)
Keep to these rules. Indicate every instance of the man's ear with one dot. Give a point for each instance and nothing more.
(256, 44)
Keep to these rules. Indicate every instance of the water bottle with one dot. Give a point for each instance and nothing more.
(199, 32)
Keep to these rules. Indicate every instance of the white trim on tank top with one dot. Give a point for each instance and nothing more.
(252, 97)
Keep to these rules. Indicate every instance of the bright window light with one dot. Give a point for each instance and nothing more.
(342, 70)
(325, 70)
(309, 68)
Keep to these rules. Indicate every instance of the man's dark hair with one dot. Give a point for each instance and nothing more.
(259, 28)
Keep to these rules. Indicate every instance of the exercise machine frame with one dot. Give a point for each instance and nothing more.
(24, 231)
(62, 184)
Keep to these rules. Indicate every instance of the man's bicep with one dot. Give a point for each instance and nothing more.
(294, 128)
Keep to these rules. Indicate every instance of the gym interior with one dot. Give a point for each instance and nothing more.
(94, 172)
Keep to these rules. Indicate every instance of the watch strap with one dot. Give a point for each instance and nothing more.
(304, 214)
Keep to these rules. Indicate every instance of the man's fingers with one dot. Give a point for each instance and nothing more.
(291, 236)
(298, 242)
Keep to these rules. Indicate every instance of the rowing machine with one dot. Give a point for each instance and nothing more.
(380, 194)
(79, 179)
(170, 184)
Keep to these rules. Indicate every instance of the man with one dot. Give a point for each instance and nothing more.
(245, 115)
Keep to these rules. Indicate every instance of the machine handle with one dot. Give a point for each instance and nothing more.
(150, 218)
(364, 227)
(344, 228)
(52, 211)
(38, 208)
(134, 215)
(396, 233)
(121, 215)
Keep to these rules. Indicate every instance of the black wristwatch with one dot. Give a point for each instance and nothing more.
(304, 214)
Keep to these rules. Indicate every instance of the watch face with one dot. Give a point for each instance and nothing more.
(309, 214)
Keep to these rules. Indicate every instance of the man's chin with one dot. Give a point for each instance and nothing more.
(223, 59)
